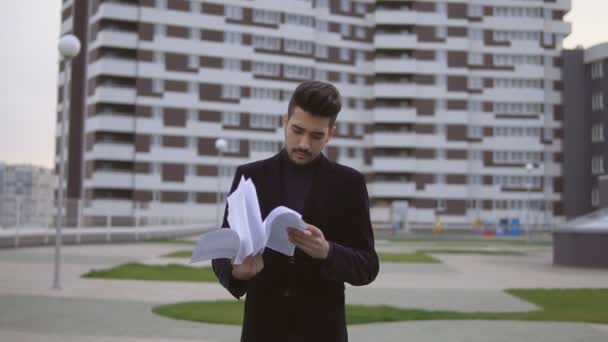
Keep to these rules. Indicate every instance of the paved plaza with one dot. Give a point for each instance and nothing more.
(120, 310)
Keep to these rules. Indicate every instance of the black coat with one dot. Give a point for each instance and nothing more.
(301, 298)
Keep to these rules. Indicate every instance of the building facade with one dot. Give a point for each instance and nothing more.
(444, 101)
(585, 111)
(26, 195)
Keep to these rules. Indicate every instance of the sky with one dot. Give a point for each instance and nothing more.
(29, 31)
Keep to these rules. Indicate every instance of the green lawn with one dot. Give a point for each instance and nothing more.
(416, 257)
(179, 254)
(420, 256)
(578, 305)
(470, 251)
(138, 271)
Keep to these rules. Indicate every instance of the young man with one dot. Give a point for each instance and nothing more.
(301, 298)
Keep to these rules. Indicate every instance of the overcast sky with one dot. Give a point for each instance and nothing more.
(29, 31)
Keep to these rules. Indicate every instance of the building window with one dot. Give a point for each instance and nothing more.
(321, 75)
(344, 54)
(441, 32)
(597, 101)
(193, 62)
(263, 121)
(475, 82)
(298, 46)
(321, 51)
(230, 91)
(267, 43)
(475, 132)
(597, 70)
(266, 69)
(232, 64)
(595, 197)
(475, 34)
(475, 10)
(300, 20)
(474, 179)
(345, 5)
(440, 205)
(159, 57)
(345, 29)
(299, 72)
(233, 146)
(263, 146)
(233, 12)
(233, 37)
(359, 8)
(266, 17)
(322, 26)
(475, 58)
(231, 118)
(321, 3)
(162, 4)
(265, 94)
(157, 85)
(160, 30)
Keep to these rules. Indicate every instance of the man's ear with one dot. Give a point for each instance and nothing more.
(284, 120)
(331, 132)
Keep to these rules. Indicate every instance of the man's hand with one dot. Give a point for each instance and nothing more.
(310, 240)
(251, 266)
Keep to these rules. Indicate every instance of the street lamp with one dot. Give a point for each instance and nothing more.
(220, 145)
(69, 47)
(529, 168)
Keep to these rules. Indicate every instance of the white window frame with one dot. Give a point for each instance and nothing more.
(263, 16)
(321, 51)
(158, 85)
(233, 12)
(233, 146)
(231, 64)
(231, 91)
(344, 54)
(231, 118)
(232, 37)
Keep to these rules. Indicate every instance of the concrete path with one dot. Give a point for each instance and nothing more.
(120, 310)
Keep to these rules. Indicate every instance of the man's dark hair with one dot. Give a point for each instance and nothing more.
(318, 99)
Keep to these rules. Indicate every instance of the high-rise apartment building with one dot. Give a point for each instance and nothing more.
(585, 109)
(444, 101)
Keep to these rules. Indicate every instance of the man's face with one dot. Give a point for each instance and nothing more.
(305, 135)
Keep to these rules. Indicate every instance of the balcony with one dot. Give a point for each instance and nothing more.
(393, 164)
(393, 139)
(395, 41)
(395, 115)
(392, 189)
(395, 17)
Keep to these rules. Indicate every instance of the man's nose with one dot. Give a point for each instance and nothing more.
(304, 143)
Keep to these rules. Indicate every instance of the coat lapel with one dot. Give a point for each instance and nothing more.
(270, 191)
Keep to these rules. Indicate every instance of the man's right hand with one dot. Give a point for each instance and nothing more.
(251, 266)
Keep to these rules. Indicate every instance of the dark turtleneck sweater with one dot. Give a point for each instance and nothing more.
(297, 180)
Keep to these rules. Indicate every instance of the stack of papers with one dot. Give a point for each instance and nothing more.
(248, 233)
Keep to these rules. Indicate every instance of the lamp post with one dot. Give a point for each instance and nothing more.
(220, 145)
(529, 168)
(69, 47)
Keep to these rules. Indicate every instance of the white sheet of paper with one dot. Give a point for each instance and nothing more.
(222, 243)
(277, 222)
(237, 218)
(254, 218)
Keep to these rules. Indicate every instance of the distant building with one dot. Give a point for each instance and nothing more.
(585, 118)
(26, 195)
